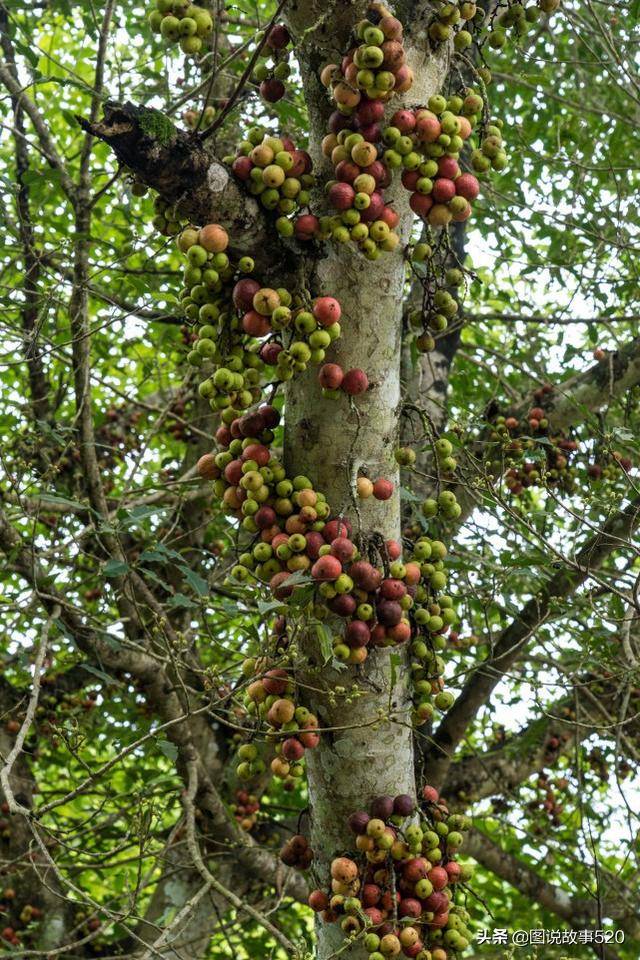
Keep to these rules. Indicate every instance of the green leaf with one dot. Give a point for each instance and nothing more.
(168, 749)
(325, 640)
(115, 568)
(195, 581)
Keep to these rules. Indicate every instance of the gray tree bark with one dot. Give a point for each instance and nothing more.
(368, 749)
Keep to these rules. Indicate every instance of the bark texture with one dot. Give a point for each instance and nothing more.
(368, 749)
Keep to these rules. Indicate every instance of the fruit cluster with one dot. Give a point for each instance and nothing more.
(275, 172)
(517, 19)
(193, 119)
(397, 891)
(296, 852)
(246, 329)
(245, 808)
(182, 22)
(551, 454)
(362, 216)
(374, 68)
(439, 301)
(271, 698)
(456, 20)
(273, 68)
(426, 143)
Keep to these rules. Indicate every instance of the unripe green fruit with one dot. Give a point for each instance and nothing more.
(443, 701)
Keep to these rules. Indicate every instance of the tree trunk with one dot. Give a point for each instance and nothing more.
(368, 750)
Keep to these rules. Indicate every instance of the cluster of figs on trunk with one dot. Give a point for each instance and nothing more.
(248, 334)
(395, 892)
(278, 174)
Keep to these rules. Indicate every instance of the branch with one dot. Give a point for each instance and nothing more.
(183, 171)
(586, 393)
(508, 648)
(580, 913)
(569, 404)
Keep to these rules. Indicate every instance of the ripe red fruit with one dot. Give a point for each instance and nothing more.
(375, 916)
(392, 589)
(369, 111)
(330, 376)
(244, 292)
(365, 576)
(414, 950)
(414, 870)
(272, 90)
(344, 605)
(343, 549)
(233, 471)
(357, 634)
(269, 353)
(270, 416)
(370, 895)
(275, 681)
(410, 908)
(430, 794)
(257, 452)
(404, 120)
(390, 217)
(355, 382)
(326, 568)
(314, 540)
(400, 633)
(347, 171)
(382, 807)
(394, 549)
(306, 227)
(278, 37)
(377, 170)
(428, 129)
(292, 749)
(438, 877)
(389, 613)
(421, 203)
(440, 920)
(383, 489)
(309, 739)
(302, 163)
(453, 871)
(436, 902)
(242, 167)
(410, 179)
(443, 190)
(358, 822)
(403, 806)
(255, 324)
(371, 132)
(338, 121)
(327, 311)
(318, 900)
(448, 167)
(375, 208)
(265, 518)
(336, 528)
(341, 196)
(467, 186)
